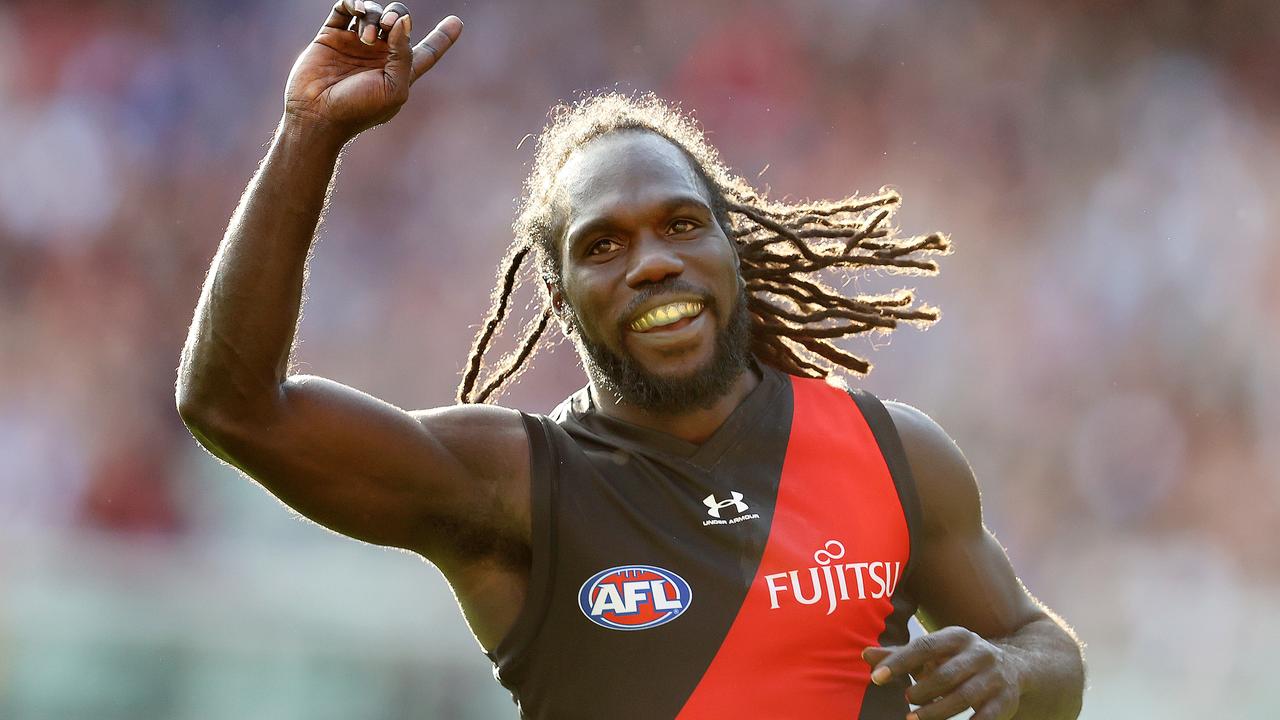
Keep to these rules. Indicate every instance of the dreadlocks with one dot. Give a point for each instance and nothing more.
(784, 250)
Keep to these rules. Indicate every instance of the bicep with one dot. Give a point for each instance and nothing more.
(962, 575)
(370, 470)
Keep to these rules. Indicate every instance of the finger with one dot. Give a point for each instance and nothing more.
(400, 58)
(342, 14)
(873, 655)
(910, 658)
(392, 12)
(437, 42)
(948, 676)
(369, 22)
(1002, 707)
(975, 692)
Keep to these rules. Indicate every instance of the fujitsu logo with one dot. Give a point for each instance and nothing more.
(835, 581)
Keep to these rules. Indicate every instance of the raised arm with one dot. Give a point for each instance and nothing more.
(449, 483)
(991, 645)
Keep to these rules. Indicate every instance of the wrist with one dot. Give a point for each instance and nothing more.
(1015, 663)
(310, 133)
(1041, 670)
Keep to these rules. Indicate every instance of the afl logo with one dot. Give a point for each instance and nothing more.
(634, 597)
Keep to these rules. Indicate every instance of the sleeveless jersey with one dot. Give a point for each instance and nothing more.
(737, 578)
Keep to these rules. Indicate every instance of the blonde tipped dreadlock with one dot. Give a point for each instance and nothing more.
(783, 248)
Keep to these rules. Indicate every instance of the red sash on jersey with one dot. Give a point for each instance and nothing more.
(823, 590)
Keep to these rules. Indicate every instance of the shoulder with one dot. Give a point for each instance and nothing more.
(488, 416)
(483, 490)
(489, 440)
(484, 420)
(948, 490)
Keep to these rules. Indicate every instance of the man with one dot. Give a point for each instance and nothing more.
(696, 533)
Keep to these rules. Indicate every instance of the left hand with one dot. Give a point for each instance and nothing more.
(954, 669)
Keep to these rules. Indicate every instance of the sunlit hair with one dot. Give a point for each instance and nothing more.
(784, 248)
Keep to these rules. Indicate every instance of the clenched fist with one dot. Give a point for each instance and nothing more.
(357, 71)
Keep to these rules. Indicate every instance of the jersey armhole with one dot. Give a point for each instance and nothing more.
(514, 647)
(895, 457)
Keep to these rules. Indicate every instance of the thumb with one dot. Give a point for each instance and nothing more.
(400, 56)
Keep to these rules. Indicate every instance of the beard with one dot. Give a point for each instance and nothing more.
(626, 379)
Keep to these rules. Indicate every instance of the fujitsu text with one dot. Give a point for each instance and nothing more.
(835, 582)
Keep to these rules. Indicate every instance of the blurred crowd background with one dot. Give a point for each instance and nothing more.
(1108, 354)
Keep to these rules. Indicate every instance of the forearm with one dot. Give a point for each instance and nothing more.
(1051, 669)
(238, 346)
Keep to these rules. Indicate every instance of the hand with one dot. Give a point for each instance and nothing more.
(954, 670)
(357, 71)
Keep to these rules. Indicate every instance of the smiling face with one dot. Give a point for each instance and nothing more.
(650, 281)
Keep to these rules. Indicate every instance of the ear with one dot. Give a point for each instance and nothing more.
(555, 296)
(559, 308)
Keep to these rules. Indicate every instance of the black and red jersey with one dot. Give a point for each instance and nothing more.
(737, 578)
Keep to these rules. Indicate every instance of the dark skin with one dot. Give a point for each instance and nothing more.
(633, 215)
(452, 483)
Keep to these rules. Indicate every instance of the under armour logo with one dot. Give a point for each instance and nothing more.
(714, 508)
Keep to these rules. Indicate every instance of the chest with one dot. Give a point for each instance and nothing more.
(807, 533)
(773, 566)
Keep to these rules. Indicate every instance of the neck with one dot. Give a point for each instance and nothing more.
(693, 426)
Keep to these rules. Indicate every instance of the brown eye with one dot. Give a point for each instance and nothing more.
(680, 227)
(601, 246)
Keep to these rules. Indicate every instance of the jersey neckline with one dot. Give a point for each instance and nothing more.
(582, 410)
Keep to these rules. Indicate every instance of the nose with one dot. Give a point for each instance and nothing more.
(652, 260)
